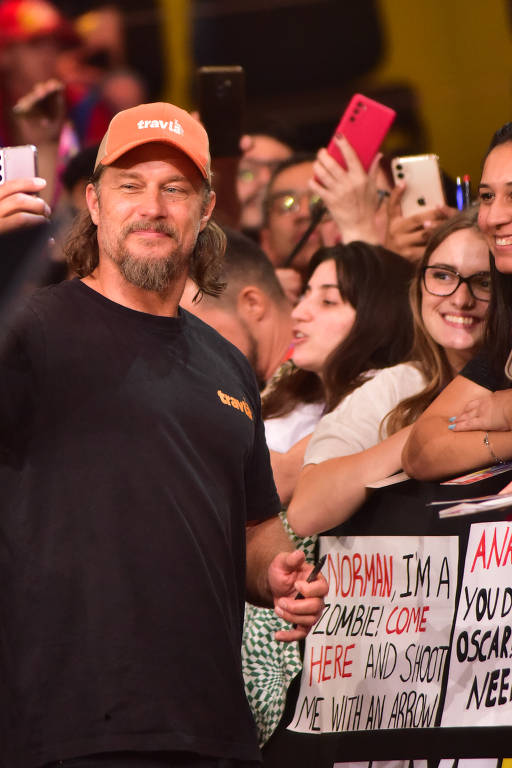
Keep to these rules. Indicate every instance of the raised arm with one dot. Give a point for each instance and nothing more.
(350, 195)
(434, 451)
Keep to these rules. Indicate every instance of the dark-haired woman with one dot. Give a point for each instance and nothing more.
(353, 319)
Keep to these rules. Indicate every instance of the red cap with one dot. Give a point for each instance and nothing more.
(23, 20)
(160, 122)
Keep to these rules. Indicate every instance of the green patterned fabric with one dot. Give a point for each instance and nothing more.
(269, 666)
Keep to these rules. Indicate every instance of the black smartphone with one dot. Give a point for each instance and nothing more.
(221, 102)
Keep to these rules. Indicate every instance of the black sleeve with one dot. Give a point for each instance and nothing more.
(262, 498)
(480, 371)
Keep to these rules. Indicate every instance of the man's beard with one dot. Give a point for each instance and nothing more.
(147, 272)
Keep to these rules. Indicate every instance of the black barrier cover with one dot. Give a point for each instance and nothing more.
(400, 510)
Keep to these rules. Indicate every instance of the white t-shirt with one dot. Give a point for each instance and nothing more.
(284, 431)
(354, 424)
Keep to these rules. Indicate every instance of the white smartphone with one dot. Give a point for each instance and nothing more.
(18, 162)
(424, 186)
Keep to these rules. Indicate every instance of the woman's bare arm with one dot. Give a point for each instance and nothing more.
(329, 492)
(286, 468)
(434, 451)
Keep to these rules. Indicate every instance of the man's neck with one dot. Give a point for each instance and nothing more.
(278, 343)
(109, 282)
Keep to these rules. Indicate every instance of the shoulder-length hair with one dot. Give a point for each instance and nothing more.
(427, 354)
(206, 264)
(375, 282)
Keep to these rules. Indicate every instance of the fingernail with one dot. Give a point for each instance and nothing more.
(279, 611)
(452, 418)
(451, 426)
(39, 182)
(427, 223)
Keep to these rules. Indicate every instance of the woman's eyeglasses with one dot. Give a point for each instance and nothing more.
(441, 281)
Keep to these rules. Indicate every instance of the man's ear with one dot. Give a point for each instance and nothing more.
(91, 197)
(252, 304)
(207, 211)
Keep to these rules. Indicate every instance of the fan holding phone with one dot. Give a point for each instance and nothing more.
(348, 176)
(353, 186)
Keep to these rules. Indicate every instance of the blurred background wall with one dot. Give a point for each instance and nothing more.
(444, 66)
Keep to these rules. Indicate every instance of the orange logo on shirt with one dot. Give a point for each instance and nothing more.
(240, 405)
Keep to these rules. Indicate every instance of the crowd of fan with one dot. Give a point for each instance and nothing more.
(382, 346)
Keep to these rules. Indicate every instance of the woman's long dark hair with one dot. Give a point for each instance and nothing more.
(375, 281)
(499, 325)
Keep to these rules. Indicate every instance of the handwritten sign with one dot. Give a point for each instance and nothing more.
(480, 678)
(375, 659)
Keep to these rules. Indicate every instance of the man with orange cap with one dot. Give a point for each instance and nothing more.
(137, 495)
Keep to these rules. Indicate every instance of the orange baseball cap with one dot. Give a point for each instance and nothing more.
(160, 122)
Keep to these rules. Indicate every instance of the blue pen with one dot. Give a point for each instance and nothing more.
(460, 195)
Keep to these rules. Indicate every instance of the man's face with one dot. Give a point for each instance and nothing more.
(254, 171)
(289, 216)
(149, 209)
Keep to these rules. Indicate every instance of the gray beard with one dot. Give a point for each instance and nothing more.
(151, 274)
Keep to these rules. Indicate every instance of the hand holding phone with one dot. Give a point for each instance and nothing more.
(18, 163)
(364, 124)
(423, 184)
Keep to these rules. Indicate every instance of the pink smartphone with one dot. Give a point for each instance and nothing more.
(364, 124)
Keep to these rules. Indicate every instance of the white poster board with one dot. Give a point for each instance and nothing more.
(376, 657)
(479, 691)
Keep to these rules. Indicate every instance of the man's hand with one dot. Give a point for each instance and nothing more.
(492, 413)
(287, 576)
(20, 206)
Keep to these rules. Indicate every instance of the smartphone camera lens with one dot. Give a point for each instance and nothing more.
(399, 167)
(422, 201)
(352, 119)
(400, 175)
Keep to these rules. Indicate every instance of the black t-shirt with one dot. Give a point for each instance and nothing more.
(133, 454)
(480, 371)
